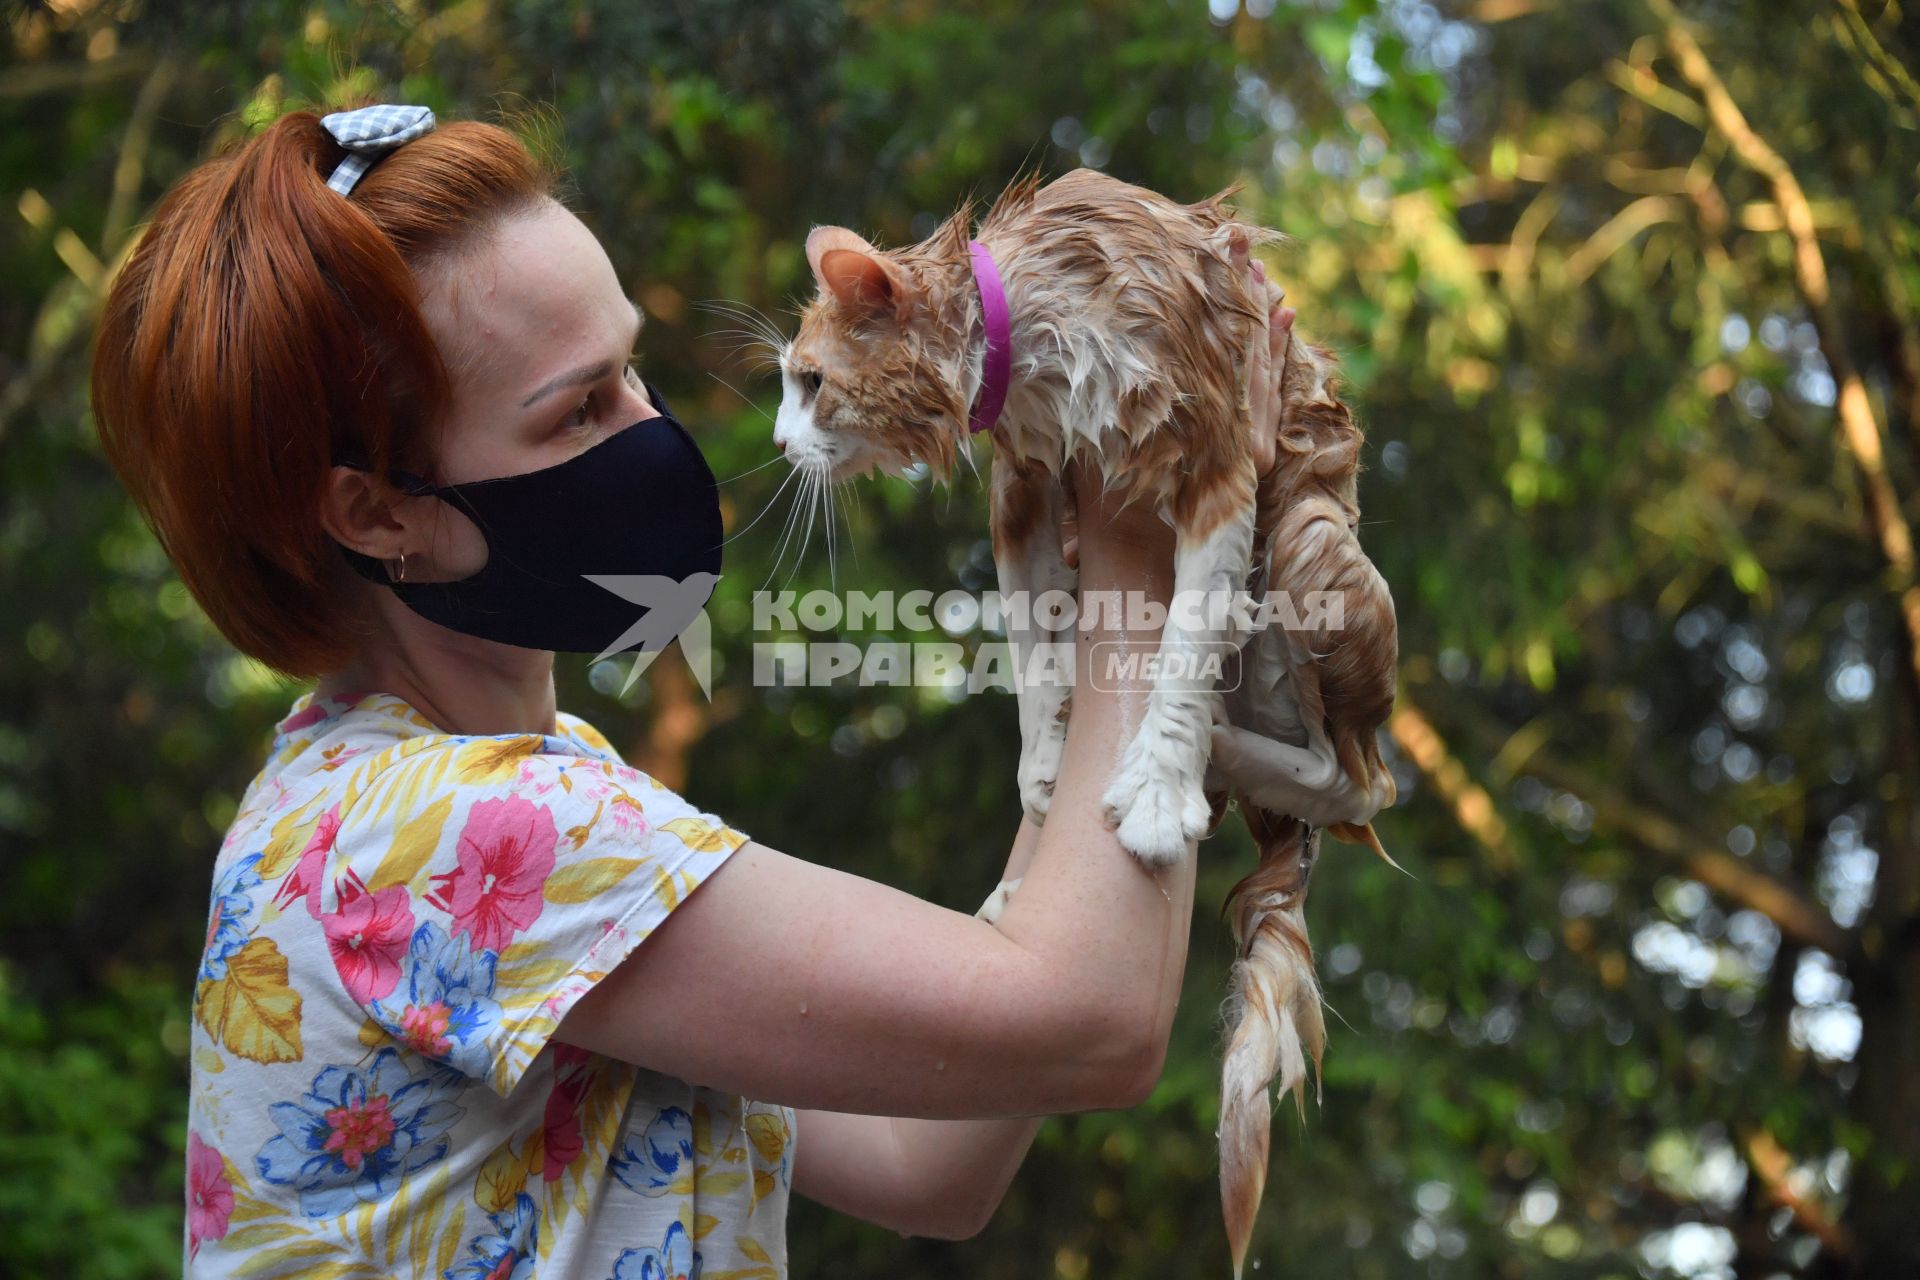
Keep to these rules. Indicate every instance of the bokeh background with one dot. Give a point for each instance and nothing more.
(1626, 292)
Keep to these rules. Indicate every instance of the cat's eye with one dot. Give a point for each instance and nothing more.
(810, 382)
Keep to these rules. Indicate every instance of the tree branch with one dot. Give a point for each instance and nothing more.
(1472, 807)
(1860, 432)
(1772, 1166)
(1798, 916)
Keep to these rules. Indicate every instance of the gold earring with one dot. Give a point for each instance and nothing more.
(402, 575)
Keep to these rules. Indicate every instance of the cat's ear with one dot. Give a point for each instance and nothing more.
(858, 275)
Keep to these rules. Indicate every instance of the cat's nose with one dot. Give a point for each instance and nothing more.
(780, 444)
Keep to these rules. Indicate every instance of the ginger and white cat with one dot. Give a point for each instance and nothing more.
(1132, 330)
(1132, 333)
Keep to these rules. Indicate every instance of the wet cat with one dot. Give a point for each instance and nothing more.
(1129, 333)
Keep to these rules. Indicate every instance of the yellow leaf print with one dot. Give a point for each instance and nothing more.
(543, 974)
(491, 758)
(451, 1238)
(252, 1011)
(702, 836)
(589, 735)
(270, 1261)
(502, 1177)
(703, 1225)
(702, 1129)
(751, 1248)
(718, 1184)
(534, 1157)
(413, 844)
(762, 1183)
(768, 1134)
(209, 1061)
(663, 889)
(290, 837)
(585, 881)
(262, 1233)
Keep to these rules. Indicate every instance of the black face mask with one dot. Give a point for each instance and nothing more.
(616, 549)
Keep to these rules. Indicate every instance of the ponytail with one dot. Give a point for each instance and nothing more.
(267, 327)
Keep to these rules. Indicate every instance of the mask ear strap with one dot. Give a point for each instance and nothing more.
(414, 486)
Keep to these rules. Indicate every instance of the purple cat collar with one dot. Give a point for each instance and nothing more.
(996, 368)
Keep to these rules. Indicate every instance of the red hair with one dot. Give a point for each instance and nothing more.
(267, 327)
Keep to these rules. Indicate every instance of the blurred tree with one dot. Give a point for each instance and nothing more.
(1627, 294)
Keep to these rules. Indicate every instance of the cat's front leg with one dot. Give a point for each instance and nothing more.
(1028, 508)
(1155, 800)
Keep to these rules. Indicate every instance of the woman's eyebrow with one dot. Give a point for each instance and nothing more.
(587, 374)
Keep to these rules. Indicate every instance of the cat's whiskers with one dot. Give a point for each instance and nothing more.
(846, 520)
(787, 526)
(814, 481)
(750, 470)
(757, 326)
(749, 401)
(770, 501)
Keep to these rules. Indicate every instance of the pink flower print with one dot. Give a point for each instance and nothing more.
(563, 1140)
(209, 1194)
(424, 1028)
(542, 774)
(367, 936)
(506, 855)
(619, 811)
(304, 879)
(360, 1128)
(316, 712)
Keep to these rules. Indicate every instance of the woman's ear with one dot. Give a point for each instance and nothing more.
(360, 515)
(859, 276)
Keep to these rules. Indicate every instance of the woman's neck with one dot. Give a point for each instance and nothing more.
(461, 684)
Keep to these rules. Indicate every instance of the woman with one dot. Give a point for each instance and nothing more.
(371, 385)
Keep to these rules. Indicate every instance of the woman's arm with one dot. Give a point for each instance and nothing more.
(940, 1178)
(797, 983)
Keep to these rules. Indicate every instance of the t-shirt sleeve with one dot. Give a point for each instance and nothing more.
(476, 890)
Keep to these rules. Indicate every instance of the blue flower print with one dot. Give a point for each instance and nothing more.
(505, 1253)
(446, 1011)
(357, 1133)
(675, 1259)
(651, 1163)
(227, 917)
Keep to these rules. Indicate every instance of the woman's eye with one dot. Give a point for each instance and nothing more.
(580, 416)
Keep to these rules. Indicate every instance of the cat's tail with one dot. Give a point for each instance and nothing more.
(1272, 1015)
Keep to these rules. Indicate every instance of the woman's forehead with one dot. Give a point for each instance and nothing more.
(540, 287)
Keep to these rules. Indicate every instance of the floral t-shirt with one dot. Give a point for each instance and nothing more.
(400, 919)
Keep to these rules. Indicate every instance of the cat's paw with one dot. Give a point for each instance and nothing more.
(1039, 767)
(997, 900)
(1152, 813)
(1036, 798)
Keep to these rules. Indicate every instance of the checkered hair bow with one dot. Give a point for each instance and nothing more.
(370, 133)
